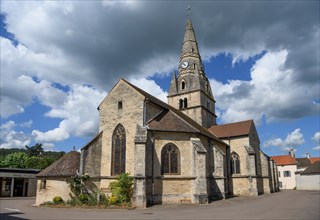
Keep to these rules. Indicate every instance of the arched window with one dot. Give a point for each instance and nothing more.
(185, 103)
(183, 85)
(180, 104)
(235, 163)
(170, 159)
(118, 160)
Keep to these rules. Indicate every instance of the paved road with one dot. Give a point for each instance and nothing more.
(302, 205)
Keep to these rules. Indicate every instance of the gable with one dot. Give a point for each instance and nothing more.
(119, 92)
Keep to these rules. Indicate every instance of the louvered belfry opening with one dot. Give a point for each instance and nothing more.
(170, 160)
(118, 163)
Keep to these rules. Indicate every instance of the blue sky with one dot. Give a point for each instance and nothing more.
(60, 59)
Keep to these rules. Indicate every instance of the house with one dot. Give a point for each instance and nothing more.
(18, 182)
(51, 181)
(291, 170)
(309, 179)
(287, 166)
(173, 151)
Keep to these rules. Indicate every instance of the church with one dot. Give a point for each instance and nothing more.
(175, 151)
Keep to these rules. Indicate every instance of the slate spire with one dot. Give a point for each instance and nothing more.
(190, 90)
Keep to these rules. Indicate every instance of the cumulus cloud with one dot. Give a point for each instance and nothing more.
(316, 138)
(78, 113)
(294, 139)
(151, 87)
(272, 93)
(11, 138)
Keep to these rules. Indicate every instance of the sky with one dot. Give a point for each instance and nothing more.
(59, 59)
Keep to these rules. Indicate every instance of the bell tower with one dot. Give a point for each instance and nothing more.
(190, 90)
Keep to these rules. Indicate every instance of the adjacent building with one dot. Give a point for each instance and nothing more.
(18, 182)
(297, 173)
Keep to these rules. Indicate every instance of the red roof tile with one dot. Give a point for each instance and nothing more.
(284, 160)
(314, 159)
(232, 130)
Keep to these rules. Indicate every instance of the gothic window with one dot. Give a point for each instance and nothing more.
(170, 159)
(180, 104)
(183, 85)
(185, 103)
(118, 160)
(235, 163)
(208, 105)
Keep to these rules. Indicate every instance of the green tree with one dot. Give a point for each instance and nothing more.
(15, 160)
(36, 150)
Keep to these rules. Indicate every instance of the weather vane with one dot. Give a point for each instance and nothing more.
(188, 13)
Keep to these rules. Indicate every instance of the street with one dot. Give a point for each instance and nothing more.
(287, 204)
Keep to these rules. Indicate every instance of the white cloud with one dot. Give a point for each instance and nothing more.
(26, 124)
(151, 87)
(78, 113)
(316, 138)
(272, 93)
(11, 138)
(294, 139)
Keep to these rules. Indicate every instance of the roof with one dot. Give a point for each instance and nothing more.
(314, 159)
(19, 170)
(313, 169)
(303, 162)
(284, 160)
(64, 167)
(172, 119)
(241, 128)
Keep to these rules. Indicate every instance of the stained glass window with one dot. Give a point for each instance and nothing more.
(118, 161)
(170, 160)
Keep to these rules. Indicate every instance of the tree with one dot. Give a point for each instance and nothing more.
(36, 150)
(15, 160)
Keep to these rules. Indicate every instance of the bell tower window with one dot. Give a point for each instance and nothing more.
(183, 85)
(185, 103)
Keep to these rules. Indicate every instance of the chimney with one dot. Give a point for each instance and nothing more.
(308, 155)
(291, 152)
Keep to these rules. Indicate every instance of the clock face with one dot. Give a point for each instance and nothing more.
(184, 64)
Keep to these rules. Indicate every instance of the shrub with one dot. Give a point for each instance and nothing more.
(57, 200)
(83, 198)
(47, 203)
(113, 200)
(122, 189)
(104, 200)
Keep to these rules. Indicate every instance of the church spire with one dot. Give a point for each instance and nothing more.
(189, 45)
(190, 90)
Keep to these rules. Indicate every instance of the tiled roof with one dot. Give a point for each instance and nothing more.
(313, 169)
(284, 160)
(184, 122)
(65, 166)
(303, 162)
(314, 159)
(233, 129)
(168, 121)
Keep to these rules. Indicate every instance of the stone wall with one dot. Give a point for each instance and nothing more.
(91, 157)
(54, 187)
(130, 115)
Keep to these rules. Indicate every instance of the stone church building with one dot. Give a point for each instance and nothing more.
(175, 151)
